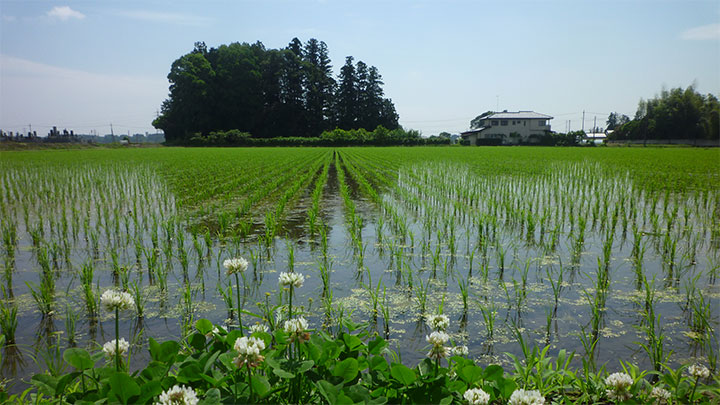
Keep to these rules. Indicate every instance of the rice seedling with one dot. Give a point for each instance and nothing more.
(8, 320)
(652, 327)
(70, 324)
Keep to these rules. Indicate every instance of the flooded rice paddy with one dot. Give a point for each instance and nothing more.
(571, 252)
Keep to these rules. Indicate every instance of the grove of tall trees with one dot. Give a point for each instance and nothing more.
(674, 114)
(269, 93)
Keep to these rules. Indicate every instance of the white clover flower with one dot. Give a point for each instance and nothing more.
(618, 384)
(297, 325)
(112, 300)
(296, 328)
(476, 396)
(249, 345)
(249, 349)
(438, 349)
(291, 279)
(699, 371)
(258, 327)
(178, 395)
(236, 265)
(460, 350)
(529, 397)
(437, 338)
(109, 348)
(437, 322)
(661, 394)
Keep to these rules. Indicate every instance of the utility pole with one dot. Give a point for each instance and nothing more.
(112, 134)
(583, 123)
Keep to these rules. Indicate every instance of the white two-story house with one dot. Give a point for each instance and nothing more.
(509, 128)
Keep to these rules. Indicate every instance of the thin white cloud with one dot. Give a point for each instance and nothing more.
(64, 13)
(703, 32)
(49, 95)
(164, 17)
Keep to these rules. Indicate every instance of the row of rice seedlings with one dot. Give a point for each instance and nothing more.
(302, 181)
(350, 207)
(312, 214)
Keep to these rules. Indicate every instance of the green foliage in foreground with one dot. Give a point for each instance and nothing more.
(351, 368)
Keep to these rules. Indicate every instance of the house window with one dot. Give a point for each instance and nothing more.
(524, 123)
(495, 123)
(541, 123)
(503, 123)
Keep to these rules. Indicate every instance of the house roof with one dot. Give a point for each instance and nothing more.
(518, 115)
(471, 131)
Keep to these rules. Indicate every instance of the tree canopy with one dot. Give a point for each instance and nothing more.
(674, 114)
(269, 93)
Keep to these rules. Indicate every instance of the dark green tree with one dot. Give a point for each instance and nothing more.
(267, 93)
(616, 120)
(475, 122)
(674, 114)
(319, 87)
(346, 98)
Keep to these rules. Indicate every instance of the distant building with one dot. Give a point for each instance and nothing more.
(596, 137)
(509, 128)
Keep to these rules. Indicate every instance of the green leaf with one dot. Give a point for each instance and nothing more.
(189, 372)
(45, 383)
(378, 363)
(197, 341)
(446, 401)
(376, 346)
(165, 352)
(260, 385)
(204, 326)
(210, 361)
(227, 360)
(493, 373)
(328, 390)
(403, 374)
(347, 369)
(78, 358)
(305, 366)
(282, 373)
(352, 342)
(314, 350)
(471, 374)
(64, 381)
(212, 397)
(149, 390)
(154, 370)
(343, 399)
(280, 336)
(457, 386)
(506, 386)
(232, 336)
(123, 387)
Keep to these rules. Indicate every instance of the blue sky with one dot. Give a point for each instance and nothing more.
(85, 64)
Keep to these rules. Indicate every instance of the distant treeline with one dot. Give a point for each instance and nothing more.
(380, 136)
(674, 114)
(270, 93)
